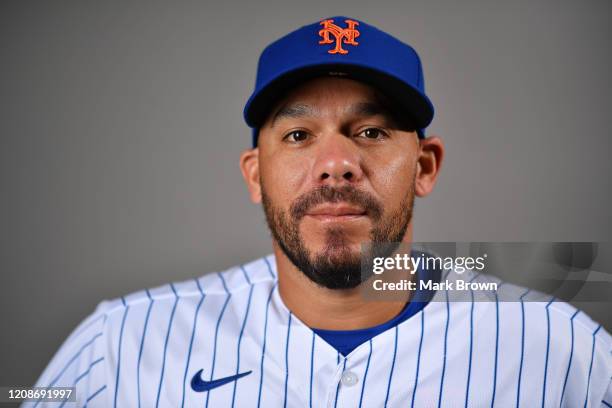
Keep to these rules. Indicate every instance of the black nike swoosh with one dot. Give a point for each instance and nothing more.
(199, 385)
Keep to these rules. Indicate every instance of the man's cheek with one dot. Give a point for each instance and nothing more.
(277, 190)
(290, 171)
(284, 188)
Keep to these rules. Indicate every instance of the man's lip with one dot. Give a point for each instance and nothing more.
(337, 210)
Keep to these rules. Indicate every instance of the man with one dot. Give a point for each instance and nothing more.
(339, 153)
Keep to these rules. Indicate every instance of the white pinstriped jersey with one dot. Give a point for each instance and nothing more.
(144, 349)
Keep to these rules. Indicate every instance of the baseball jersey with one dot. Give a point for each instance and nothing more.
(227, 340)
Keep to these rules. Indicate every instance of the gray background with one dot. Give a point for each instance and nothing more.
(121, 128)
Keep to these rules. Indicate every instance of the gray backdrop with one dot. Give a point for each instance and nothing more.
(121, 128)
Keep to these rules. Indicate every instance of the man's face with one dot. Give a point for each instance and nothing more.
(336, 171)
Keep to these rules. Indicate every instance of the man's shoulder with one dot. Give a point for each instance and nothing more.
(553, 310)
(260, 272)
(118, 327)
(550, 309)
(510, 299)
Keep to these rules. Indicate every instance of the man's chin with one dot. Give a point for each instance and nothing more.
(328, 264)
(337, 251)
(338, 239)
(338, 257)
(352, 228)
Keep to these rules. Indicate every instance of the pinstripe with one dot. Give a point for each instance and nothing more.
(416, 376)
(263, 347)
(245, 274)
(469, 373)
(392, 366)
(94, 395)
(193, 330)
(311, 368)
(287, 358)
(518, 391)
(142, 340)
(212, 369)
(88, 325)
(246, 316)
(365, 375)
(125, 313)
(586, 398)
(269, 267)
(569, 363)
(547, 350)
(496, 348)
(86, 372)
(163, 368)
(338, 386)
(445, 346)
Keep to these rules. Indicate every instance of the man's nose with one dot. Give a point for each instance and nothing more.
(338, 161)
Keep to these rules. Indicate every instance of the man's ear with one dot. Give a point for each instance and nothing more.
(431, 153)
(249, 166)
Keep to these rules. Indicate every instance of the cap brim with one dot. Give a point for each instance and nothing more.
(416, 106)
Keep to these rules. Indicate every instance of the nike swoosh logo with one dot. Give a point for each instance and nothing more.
(199, 385)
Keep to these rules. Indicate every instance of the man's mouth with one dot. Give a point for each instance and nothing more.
(337, 212)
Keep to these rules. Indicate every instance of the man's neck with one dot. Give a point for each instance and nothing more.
(330, 309)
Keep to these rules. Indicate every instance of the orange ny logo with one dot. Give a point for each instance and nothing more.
(341, 35)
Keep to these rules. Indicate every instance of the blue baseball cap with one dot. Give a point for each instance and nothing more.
(345, 47)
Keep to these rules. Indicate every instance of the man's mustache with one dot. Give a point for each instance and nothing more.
(328, 194)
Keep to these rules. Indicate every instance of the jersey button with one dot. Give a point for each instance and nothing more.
(349, 378)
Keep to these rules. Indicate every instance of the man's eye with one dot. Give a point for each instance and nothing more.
(296, 136)
(372, 133)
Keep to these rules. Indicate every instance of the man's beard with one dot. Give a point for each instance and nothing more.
(337, 267)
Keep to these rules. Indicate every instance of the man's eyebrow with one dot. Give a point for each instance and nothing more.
(366, 109)
(297, 110)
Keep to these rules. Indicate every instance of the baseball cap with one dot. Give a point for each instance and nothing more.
(345, 47)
